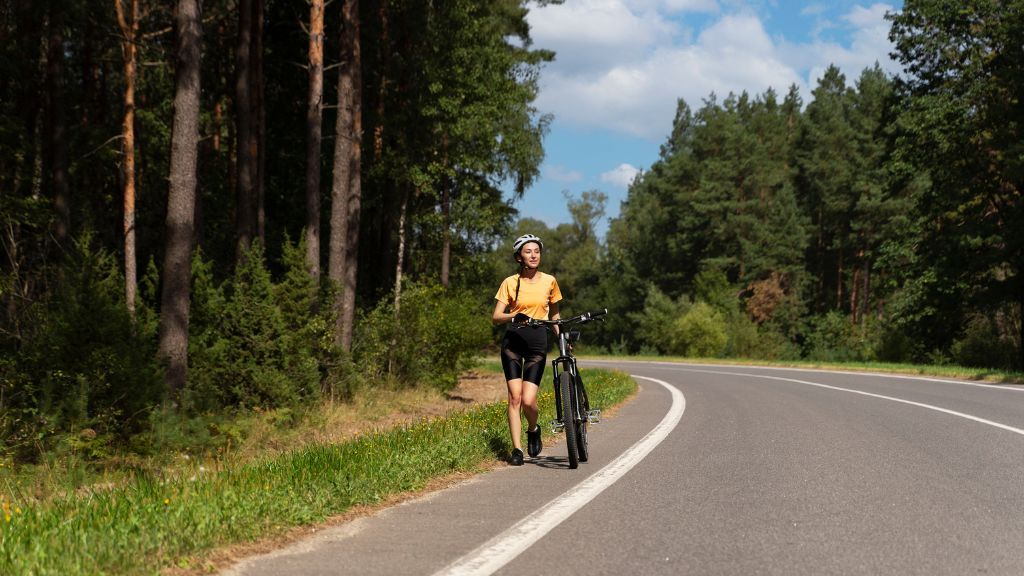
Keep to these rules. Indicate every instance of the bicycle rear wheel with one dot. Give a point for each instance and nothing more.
(565, 393)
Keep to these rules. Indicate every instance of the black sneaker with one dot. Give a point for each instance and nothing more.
(533, 442)
(516, 457)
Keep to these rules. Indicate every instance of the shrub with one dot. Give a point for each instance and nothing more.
(701, 332)
(86, 365)
(982, 346)
(435, 335)
(655, 322)
(833, 338)
(747, 339)
(712, 286)
(244, 352)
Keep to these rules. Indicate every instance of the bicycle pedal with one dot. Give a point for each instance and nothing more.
(594, 416)
(556, 427)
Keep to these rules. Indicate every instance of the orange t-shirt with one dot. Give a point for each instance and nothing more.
(534, 296)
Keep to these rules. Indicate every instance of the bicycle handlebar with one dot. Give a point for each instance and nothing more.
(578, 319)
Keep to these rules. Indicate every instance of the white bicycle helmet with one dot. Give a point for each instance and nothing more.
(522, 241)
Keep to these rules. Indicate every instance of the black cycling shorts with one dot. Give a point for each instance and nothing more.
(524, 352)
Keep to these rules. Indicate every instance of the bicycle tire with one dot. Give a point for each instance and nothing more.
(565, 392)
(582, 447)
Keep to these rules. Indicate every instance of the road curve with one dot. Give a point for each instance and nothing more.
(768, 471)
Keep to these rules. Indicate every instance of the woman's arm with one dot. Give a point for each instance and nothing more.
(554, 315)
(500, 316)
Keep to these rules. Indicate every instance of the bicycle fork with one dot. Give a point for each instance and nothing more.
(580, 405)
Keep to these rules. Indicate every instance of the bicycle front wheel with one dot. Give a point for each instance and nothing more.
(565, 393)
(582, 449)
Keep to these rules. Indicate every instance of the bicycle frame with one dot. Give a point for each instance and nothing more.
(566, 362)
(573, 413)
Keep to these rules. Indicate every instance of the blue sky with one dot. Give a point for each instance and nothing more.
(622, 64)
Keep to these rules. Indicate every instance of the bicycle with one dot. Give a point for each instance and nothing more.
(571, 403)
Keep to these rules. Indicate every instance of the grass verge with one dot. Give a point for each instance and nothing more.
(149, 524)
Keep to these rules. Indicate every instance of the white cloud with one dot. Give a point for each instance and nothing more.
(622, 64)
(861, 17)
(672, 6)
(588, 34)
(812, 9)
(639, 98)
(869, 43)
(621, 176)
(557, 173)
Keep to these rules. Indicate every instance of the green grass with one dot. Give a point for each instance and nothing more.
(150, 523)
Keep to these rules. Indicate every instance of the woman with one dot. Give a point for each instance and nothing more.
(527, 294)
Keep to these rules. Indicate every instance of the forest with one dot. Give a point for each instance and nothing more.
(235, 205)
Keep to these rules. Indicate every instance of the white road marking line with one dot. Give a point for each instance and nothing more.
(504, 547)
(871, 394)
(990, 386)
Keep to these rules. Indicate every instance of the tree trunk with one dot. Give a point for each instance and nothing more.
(865, 291)
(129, 24)
(820, 299)
(855, 296)
(839, 280)
(383, 51)
(314, 136)
(1020, 326)
(174, 311)
(218, 121)
(401, 253)
(244, 164)
(57, 135)
(446, 231)
(258, 122)
(345, 190)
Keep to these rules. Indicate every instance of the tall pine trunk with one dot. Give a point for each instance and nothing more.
(345, 189)
(1020, 326)
(245, 206)
(129, 24)
(446, 231)
(174, 311)
(401, 252)
(57, 133)
(258, 122)
(314, 136)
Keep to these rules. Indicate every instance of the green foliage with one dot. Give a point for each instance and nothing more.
(244, 351)
(655, 323)
(747, 339)
(833, 338)
(961, 123)
(983, 345)
(700, 332)
(85, 366)
(712, 286)
(433, 337)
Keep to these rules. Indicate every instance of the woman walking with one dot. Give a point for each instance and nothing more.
(527, 294)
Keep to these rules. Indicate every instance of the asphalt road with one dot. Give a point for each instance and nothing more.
(728, 470)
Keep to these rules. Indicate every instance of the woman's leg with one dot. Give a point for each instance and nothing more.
(515, 404)
(529, 401)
